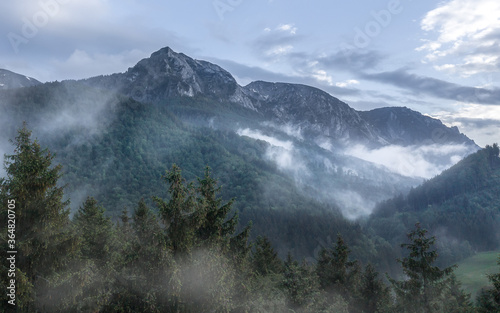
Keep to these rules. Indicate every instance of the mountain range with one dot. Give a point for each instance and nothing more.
(291, 154)
(316, 113)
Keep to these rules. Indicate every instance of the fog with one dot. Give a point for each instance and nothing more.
(413, 161)
(348, 182)
(281, 152)
(61, 116)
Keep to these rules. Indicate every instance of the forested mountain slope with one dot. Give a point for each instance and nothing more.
(461, 207)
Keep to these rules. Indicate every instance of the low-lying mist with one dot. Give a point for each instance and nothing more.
(424, 161)
(343, 180)
(60, 116)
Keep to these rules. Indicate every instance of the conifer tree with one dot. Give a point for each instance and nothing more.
(456, 300)
(300, 281)
(424, 289)
(216, 226)
(374, 294)
(98, 253)
(145, 265)
(335, 270)
(42, 235)
(181, 214)
(488, 300)
(264, 259)
(95, 230)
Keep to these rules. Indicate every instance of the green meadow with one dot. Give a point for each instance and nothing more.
(473, 271)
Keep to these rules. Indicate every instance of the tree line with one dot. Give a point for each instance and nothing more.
(186, 254)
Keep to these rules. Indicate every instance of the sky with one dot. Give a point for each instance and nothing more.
(439, 58)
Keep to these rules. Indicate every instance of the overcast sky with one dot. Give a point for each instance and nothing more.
(439, 58)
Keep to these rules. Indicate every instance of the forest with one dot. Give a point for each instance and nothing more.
(185, 250)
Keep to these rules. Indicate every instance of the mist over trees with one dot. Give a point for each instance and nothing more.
(186, 253)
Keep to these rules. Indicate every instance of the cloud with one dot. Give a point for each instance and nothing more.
(413, 161)
(479, 122)
(282, 153)
(277, 42)
(351, 60)
(436, 87)
(346, 83)
(68, 31)
(82, 64)
(245, 74)
(289, 129)
(466, 30)
(287, 145)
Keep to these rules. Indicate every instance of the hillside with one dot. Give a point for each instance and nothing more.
(473, 271)
(461, 207)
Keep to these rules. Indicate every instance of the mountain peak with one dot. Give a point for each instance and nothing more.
(10, 80)
(401, 125)
(167, 73)
(163, 51)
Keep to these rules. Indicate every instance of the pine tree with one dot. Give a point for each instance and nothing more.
(181, 214)
(42, 235)
(455, 299)
(374, 294)
(424, 289)
(300, 281)
(146, 265)
(335, 271)
(216, 228)
(264, 259)
(96, 232)
(489, 299)
(98, 254)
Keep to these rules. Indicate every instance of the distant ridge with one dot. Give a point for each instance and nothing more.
(11, 80)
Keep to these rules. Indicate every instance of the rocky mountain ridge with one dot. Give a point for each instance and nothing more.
(317, 114)
(11, 80)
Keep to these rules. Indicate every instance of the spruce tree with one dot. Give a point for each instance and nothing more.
(335, 271)
(374, 294)
(95, 231)
(300, 281)
(216, 227)
(424, 289)
(488, 299)
(43, 240)
(181, 214)
(98, 254)
(264, 259)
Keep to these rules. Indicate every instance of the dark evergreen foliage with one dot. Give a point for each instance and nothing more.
(187, 256)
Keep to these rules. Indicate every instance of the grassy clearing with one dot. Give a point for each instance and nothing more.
(472, 272)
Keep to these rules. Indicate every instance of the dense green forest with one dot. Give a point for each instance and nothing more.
(460, 207)
(184, 252)
(117, 149)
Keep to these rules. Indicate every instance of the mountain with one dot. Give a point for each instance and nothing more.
(313, 111)
(167, 74)
(10, 80)
(282, 150)
(402, 126)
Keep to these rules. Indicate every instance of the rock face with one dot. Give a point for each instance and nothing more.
(11, 80)
(317, 114)
(402, 126)
(314, 112)
(170, 74)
